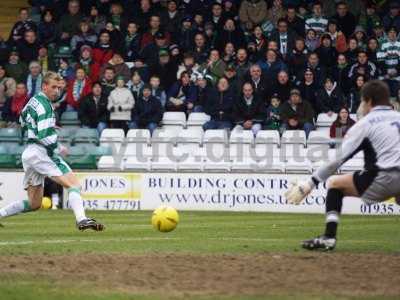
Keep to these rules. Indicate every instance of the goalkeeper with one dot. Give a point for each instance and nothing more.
(378, 135)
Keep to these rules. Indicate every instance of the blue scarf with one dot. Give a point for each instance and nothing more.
(34, 88)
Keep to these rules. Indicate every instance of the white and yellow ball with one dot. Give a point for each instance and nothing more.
(46, 203)
(165, 218)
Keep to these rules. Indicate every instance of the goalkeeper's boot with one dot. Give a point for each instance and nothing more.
(320, 243)
(90, 224)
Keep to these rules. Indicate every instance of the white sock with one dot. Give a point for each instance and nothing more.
(76, 202)
(15, 208)
(55, 200)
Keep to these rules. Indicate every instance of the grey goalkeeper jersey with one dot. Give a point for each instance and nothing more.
(378, 135)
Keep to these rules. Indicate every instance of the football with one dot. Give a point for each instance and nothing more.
(46, 203)
(165, 218)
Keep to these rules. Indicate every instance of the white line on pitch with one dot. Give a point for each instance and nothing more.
(8, 243)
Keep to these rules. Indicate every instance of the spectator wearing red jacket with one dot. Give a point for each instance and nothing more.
(148, 37)
(103, 51)
(342, 124)
(86, 62)
(78, 88)
(15, 104)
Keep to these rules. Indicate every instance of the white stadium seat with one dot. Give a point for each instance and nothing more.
(317, 152)
(174, 118)
(289, 151)
(318, 161)
(241, 143)
(138, 136)
(197, 119)
(165, 135)
(302, 166)
(265, 151)
(215, 136)
(211, 164)
(240, 136)
(270, 165)
(164, 163)
(190, 135)
(245, 164)
(268, 137)
(319, 137)
(137, 164)
(241, 150)
(294, 137)
(106, 162)
(112, 135)
(215, 144)
(191, 163)
(323, 120)
(138, 150)
(326, 130)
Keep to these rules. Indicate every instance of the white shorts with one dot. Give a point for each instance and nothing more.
(38, 165)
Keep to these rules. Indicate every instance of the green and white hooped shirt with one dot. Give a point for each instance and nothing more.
(38, 120)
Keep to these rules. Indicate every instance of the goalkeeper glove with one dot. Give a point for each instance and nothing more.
(298, 191)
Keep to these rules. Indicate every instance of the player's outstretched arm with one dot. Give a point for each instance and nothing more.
(298, 191)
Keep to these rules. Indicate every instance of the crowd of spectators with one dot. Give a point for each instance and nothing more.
(251, 64)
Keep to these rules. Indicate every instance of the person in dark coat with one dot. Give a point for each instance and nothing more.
(354, 97)
(330, 98)
(340, 73)
(147, 112)
(151, 51)
(249, 110)
(319, 71)
(295, 23)
(20, 27)
(271, 65)
(231, 33)
(258, 81)
(346, 21)
(326, 52)
(92, 111)
(182, 95)
(297, 59)
(166, 69)
(186, 34)
(28, 47)
(284, 38)
(219, 106)
(200, 50)
(171, 19)
(281, 86)
(132, 42)
(309, 88)
(297, 113)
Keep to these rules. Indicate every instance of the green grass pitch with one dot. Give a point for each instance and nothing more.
(51, 234)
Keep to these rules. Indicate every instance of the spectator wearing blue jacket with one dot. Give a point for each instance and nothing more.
(271, 65)
(147, 112)
(182, 95)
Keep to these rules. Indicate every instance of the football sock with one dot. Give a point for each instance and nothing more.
(15, 208)
(55, 199)
(76, 202)
(334, 201)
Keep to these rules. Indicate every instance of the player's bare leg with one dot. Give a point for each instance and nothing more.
(35, 195)
(338, 187)
(71, 183)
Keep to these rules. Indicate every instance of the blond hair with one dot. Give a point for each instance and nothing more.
(50, 75)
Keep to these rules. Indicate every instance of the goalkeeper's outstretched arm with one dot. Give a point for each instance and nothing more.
(354, 141)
